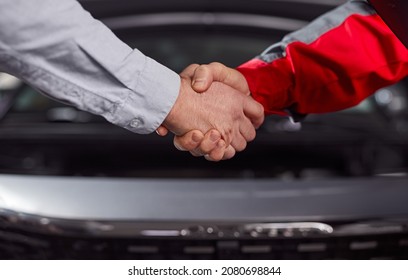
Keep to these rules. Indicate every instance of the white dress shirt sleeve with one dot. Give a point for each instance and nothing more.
(60, 49)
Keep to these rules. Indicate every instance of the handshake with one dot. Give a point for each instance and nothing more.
(214, 115)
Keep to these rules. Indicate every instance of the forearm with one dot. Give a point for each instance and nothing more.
(332, 64)
(64, 52)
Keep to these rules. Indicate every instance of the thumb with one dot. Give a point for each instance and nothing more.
(204, 75)
(202, 79)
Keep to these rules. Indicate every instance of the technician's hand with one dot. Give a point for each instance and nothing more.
(212, 145)
(232, 114)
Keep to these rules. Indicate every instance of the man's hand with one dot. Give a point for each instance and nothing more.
(233, 115)
(205, 75)
(211, 145)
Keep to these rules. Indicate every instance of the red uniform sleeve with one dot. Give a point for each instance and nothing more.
(333, 63)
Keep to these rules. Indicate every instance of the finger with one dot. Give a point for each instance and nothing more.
(189, 141)
(247, 131)
(238, 142)
(196, 153)
(202, 79)
(188, 72)
(242, 134)
(217, 153)
(229, 76)
(210, 141)
(162, 131)
(254, 111)
(204, 75)
(229, 153)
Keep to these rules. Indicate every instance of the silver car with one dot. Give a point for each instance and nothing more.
(333, 186)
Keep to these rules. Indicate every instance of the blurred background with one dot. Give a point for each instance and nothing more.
(44, 137)
(343, 174)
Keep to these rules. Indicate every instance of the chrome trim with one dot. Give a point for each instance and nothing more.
(190, 18)
(287, 229)
(373, 227)
(189, 230)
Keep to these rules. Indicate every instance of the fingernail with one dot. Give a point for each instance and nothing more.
(214, 136)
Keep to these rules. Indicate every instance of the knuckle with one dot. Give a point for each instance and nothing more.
(215, 64)
(202, 67)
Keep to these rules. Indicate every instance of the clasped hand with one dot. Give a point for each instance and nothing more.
(214, 115)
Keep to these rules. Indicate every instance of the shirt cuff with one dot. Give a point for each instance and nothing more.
(150, 101)
(146, 90)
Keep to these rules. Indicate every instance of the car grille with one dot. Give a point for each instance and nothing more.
(17, 244)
